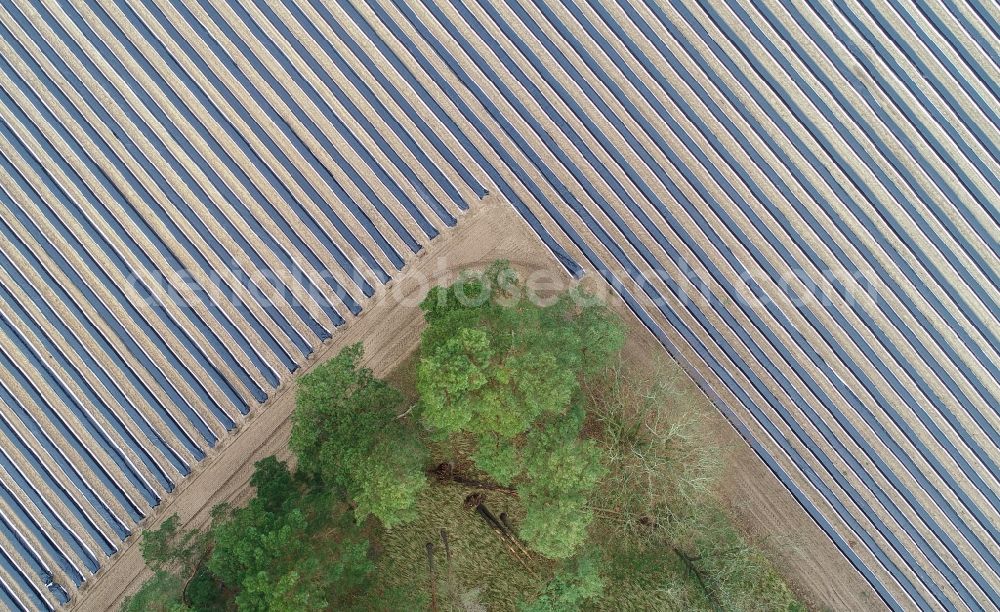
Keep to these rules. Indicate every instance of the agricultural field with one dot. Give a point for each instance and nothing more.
(795, 202)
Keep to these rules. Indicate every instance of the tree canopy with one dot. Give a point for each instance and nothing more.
(167, 547)
(493, 362)
(561, 471)
(345, 432)
(577, 583)
(290, 548)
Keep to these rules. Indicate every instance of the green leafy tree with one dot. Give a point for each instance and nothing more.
(169, 548)
(562, 470)
(574, 585)
(205, 592)
(262, 592)
(161, 593)
(602, 337)
(270, 552)
(498, 458)
(346, 432)
(173, 554)
(259, 537)
(493, 363)
(274, 484)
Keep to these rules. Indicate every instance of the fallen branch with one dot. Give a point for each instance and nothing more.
(506, 522)
(194, 572)
(476, 501)
(430, 570)
(689, 564)
(447, 563)
(445, 473)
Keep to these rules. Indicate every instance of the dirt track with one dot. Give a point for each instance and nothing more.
(390, 329)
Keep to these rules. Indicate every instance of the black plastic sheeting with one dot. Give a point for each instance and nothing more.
(106, 460)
